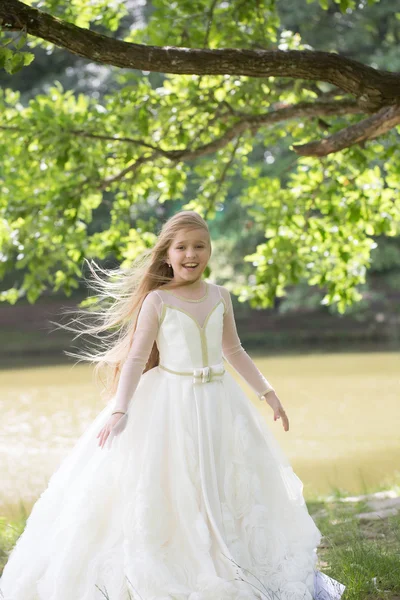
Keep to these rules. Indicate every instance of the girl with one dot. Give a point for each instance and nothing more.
(178, 490)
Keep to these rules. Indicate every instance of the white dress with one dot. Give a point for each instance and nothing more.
(191, 498)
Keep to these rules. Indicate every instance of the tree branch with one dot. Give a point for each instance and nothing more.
(302, 109)
(132, 168)
(250, 122)
(244, 122)
(373, 88)
(222, 178)
(209, 22)
(367, 129)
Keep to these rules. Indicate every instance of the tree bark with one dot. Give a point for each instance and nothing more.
(373, 88)
(367, 129)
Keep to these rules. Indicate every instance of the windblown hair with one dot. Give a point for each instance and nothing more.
(111, 317)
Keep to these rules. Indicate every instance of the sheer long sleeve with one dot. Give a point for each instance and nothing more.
(235, 354)
(143, 339)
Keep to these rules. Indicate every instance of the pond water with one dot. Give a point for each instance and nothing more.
(343, 410)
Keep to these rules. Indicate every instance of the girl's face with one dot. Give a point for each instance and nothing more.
(189, 247)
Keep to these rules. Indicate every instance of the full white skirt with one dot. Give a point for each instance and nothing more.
(194, 500)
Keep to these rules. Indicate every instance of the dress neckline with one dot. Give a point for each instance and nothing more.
(189, 299)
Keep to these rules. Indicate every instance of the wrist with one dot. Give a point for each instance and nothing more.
(262, 396)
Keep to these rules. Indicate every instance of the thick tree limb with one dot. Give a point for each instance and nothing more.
(367, 129)
(373, 88)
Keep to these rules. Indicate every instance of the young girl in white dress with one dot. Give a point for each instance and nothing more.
(178, 490)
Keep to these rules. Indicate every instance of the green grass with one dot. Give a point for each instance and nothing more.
(10, 532)
(365, 556)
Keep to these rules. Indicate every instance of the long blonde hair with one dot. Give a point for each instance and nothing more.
(111, 316)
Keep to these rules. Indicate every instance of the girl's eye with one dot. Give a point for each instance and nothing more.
(181, 247)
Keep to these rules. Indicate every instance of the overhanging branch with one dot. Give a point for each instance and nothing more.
(373, 88)
(244, 122)
(367, 129)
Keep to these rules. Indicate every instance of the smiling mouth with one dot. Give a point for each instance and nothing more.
(190, 268)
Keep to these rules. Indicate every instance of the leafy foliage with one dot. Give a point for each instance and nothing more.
(152, 140)
(12, 59)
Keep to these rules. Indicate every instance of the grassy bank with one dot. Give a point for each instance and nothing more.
(361, 542)
(360, 546)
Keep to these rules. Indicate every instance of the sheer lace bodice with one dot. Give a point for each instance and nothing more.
(189, 333)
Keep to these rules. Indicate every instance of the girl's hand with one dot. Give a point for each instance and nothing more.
(106, 430)
(274, 402)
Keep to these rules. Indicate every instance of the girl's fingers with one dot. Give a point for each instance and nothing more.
(285, 421)
(104, 433)
(101, 437)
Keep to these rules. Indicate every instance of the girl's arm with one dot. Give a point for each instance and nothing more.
(143, 339)
(236, 355)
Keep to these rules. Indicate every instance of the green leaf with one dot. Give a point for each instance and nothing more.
(28, 58)
(20, 42)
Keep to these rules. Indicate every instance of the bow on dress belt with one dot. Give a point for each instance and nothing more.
(205, 374)
(201, 374)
